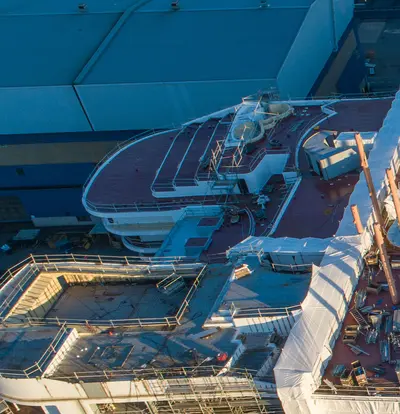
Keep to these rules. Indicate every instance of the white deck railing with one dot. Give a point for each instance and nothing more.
(115, 264)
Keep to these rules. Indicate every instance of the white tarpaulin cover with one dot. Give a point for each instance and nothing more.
(389, 206)
(308, 349)
(284, 251)
(283, 244)
(393, 234)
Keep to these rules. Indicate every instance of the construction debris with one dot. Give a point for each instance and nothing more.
(338, 370)
(347, 379)
(242, 271)
(371, 336)
(374, 288)
(351, 334)
(395, 341)
(357, 350)
(388, 324)
(360, 298)
(396, 321)
(377, 370)
(359, 373)
(359, 318)
(366, 309)
(384, 350)
(398, 369)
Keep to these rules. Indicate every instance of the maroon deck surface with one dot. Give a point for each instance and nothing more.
(208, 221)
(361, 115)
(317, 207)
(196, 242)
(321, 217)
(342, 353)
(128, 177)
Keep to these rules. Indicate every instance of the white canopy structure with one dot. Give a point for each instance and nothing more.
(283, 250)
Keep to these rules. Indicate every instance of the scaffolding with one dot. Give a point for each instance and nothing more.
(213, 395)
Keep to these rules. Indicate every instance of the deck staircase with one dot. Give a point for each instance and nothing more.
(29, 298)
(359, 318)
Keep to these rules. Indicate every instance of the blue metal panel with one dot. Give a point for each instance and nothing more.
(161, 105)
(344, 10)
(196, 46)
(352, 75)
(91, 136)
(309, 52)
(41, 109)
(49, 49)
(43, 175)
(50, 203)
(49, 7)
(185, 5)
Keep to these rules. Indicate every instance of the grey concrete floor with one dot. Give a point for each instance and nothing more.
(116, 302)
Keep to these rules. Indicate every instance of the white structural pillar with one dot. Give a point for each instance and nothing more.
(151, 407)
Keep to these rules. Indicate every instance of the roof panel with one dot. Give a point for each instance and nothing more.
(49, 49)
(202, 45)
(184, 5)
(40, 7)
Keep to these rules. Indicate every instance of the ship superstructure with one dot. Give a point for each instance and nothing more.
(221, 316)
(200, 189)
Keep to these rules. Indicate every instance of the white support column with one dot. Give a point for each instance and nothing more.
(151, 407)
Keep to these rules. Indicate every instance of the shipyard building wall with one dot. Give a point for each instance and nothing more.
(317, 38)
(41, 109)
(148, 67)
(161, 105)
(45, 179)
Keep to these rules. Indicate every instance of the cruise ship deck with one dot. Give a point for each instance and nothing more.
(184, 158)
